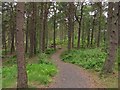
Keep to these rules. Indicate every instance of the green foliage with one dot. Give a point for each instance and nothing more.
(87, 58)
(40, 73)
(43, 59)
(9, 76)
(49, 51)
(3, 51)
(11, 60)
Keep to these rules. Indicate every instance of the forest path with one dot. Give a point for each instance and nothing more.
(69, 75)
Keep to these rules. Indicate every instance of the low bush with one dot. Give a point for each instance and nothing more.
(87, 58)
(49, 51)
(41, 72)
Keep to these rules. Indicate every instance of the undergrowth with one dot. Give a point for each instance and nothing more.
(87, 58)
(12, 60)
(41, 72)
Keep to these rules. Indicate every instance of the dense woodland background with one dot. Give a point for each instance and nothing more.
(36, 28)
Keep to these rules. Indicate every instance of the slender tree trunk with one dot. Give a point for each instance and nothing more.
(12, 29)
(54, 41)
(3, 31)
(92, 33)
(3, 37)
(79, 22)
(99, 32)
(73, 37)
(73, 11)
(79, 35)
(46, 24)
(41, 27)
(88, 35)
(35, 22)
(44, 27)
(70, 25)
(119, 25)
(22, 74)
(83, 35)
(33, 29)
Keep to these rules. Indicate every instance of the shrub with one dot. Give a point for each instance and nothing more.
(87, 58)
(40, 73)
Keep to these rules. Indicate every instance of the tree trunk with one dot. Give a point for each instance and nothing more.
(12, 29)
(54, 41)
(83, 35)
(73, 9)
(4, 37)
(99, 32)
(92, 33)
(70, 24)
(110, 61)
(79, 22)
(79, 35)
(88, 35)
(33, 30)
(44, 27)
(22, 74)
(73, 37)
(27, 29)
(35, 21)
(3, 31)
(41, 27)
(119, 25)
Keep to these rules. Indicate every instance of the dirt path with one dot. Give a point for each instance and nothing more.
(70, 76)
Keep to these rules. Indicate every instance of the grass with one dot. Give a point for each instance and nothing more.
(40, 72)
(87, 58)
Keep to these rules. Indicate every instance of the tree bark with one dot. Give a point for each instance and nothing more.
(22, 74)
(79, 20)
(83, 31)
(119, 25)
(35, 21)
(27, 28)
(99, 32)
(88, 34)
(92, 33)
(12, 29)
(70, 24)
(54, 41)
(3, 31)
(110, 61)
(44, 27)
(33, 30)
(41, 27)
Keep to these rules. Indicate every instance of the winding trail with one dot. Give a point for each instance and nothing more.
(69, 75)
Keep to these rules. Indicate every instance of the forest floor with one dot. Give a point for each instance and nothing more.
(72, 76)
